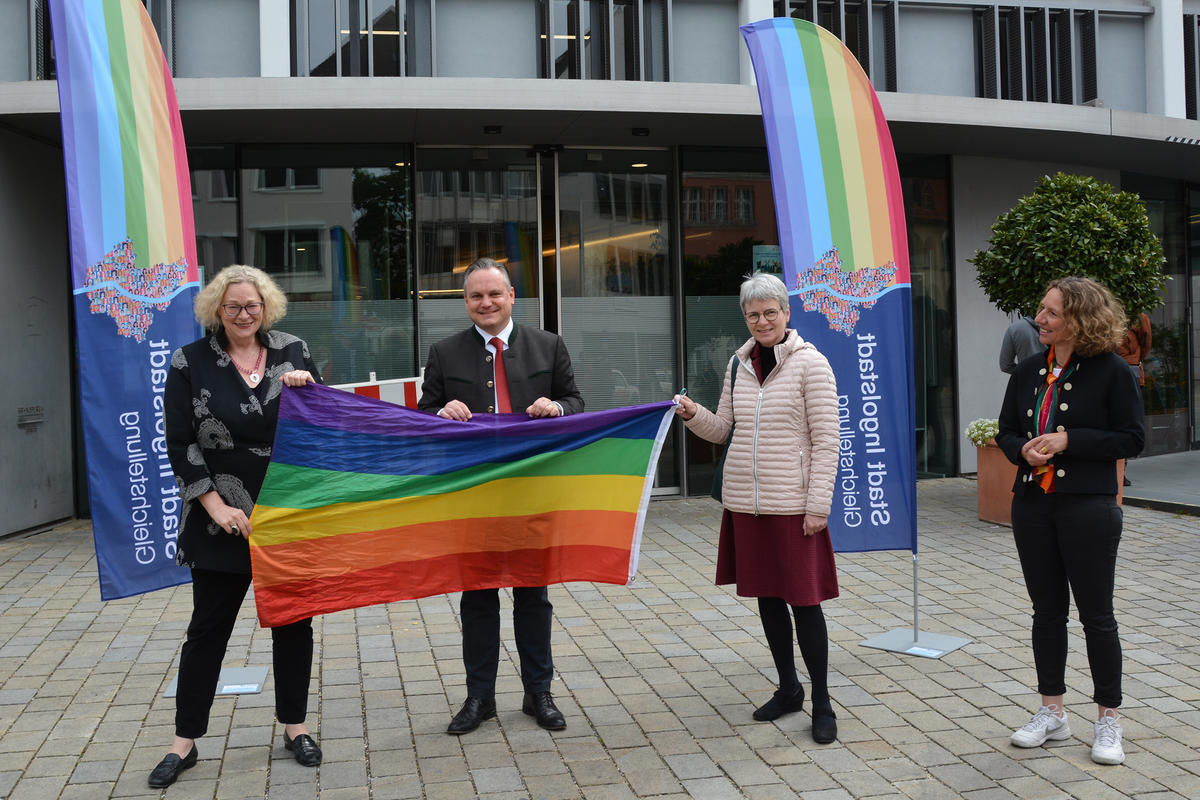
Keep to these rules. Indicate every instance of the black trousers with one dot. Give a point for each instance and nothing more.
(216, 599)
(532, 610)
(1068, 545)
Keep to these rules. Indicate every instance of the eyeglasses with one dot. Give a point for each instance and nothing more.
(233, 310)
(770, 315)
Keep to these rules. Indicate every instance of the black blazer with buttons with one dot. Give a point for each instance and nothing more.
(536, 362)
(1100, 410)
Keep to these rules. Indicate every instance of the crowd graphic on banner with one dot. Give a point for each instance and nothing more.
(839, 295)
(126, 292)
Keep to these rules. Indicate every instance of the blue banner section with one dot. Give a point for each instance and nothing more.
(874, 500)
(135, 503)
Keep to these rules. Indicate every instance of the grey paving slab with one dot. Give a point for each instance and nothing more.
(657, 680)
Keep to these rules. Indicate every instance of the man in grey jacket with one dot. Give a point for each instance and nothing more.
(1019, 343)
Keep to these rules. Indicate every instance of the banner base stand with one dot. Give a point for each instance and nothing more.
(925, 645)
(913, 641)
(233, 681)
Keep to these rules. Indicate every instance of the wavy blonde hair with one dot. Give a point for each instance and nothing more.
(208, 301)
(1093, 314)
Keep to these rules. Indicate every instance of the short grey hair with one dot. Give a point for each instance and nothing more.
(487, 263)
(763, 286)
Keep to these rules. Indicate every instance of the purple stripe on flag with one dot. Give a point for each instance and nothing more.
(335, 409)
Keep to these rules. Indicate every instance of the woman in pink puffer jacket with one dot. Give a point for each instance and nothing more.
(777, 492)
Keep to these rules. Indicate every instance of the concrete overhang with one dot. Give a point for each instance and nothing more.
(454, 111)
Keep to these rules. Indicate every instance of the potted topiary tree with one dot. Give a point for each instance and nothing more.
(1071, 225)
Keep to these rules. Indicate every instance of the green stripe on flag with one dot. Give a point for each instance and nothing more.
(288, 486)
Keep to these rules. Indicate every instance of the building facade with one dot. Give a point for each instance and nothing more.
(611, 152)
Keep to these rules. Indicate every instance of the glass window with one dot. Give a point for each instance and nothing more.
(456, 227)
(616, 288)
(626, 51)
(385, 37)
(340, 250)
(744, 199)
(1165, 393)
(926, 186)
(654, 38)
(718, 204)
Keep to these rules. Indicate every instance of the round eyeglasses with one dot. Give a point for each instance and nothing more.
(233, 310)
(770, 315)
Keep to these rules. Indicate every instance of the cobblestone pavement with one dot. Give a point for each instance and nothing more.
(657, 682)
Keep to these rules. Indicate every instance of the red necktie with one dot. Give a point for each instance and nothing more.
(503, 404)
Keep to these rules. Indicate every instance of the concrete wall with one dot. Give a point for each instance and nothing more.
(706, 41)
(985, 188)
(14, 41)
(216, 38)
(935, 51)
(36, 479)
(464, 27)
(1121, 62)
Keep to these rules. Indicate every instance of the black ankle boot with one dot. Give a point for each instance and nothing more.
(783, 702)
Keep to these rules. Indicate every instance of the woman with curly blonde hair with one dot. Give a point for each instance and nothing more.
(1069, 414)
(221, 406)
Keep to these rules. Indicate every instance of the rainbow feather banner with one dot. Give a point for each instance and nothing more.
(844, 246)
(366, 502)
(134, 276)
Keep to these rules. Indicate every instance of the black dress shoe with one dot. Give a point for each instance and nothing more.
(304, 748)
(169, 768)
(782, 702)
(824, 729)
(473, 712)
(540, 705)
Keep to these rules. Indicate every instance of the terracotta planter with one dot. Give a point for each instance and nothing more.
(995, 480)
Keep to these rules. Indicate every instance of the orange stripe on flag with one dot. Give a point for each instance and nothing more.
(332, 556)
(288, 602)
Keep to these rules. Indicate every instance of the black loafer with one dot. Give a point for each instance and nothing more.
(169, 768)
(824, 729)
(304, 748)
(540, 705)
(780, 703)
(473, 712)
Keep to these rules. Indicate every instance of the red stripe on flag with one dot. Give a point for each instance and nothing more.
(289, 602)
(311, 559)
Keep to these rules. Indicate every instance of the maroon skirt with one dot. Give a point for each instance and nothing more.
(769, 556)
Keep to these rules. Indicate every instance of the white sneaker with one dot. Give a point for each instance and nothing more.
(1107, 749)
(1046, 724)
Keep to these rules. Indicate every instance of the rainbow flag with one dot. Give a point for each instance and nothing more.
(366, 502)
(134, 276)
(347, 282)
(844, 246)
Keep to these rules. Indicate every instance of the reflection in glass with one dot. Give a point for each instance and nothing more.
(1165, 394)
(472, 204)
(616, 288)
(350, 37)
(715, 257)
(337, 240)
(927, 210)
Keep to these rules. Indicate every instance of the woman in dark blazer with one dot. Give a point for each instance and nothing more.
(221, 407)
(1069, 414)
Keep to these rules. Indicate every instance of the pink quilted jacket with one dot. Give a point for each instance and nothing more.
(783, 458)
